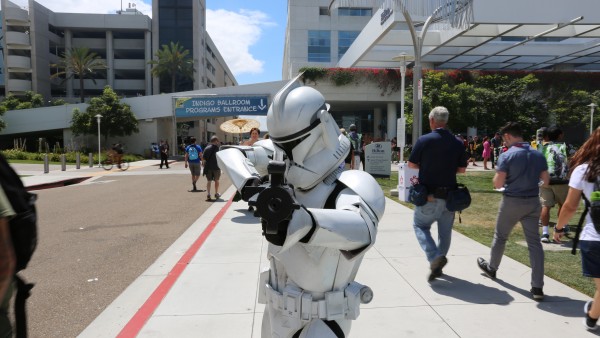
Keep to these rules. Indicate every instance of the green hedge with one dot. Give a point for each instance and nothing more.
(71, 157)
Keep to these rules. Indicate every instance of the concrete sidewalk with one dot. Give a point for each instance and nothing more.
(205, 285)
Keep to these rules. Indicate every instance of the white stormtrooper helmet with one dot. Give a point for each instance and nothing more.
(300, 126)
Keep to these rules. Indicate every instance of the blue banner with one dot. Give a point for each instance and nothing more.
(221, 106)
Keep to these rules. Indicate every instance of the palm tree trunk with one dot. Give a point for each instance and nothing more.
(81, 89)
(173, 83)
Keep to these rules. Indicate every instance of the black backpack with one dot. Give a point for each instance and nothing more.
(23, 232)
(592, 207)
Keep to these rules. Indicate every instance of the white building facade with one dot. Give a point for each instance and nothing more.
(317, 38)
(546, 35)
(36, 37)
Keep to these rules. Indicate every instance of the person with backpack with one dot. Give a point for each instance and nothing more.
(555, 153)
(18, 214)
(356, 142)
(585, 171)
(7, 264)
(193, 154)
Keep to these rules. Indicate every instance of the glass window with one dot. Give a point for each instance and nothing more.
(512, 38)
(549, 39)
(346, 11)
(323, 11)
(319, 46)
(345, 40)
(167, 14)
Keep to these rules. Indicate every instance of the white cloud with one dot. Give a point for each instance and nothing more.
(234, 33)
(89, 6)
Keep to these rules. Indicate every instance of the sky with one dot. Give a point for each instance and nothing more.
(249, 34)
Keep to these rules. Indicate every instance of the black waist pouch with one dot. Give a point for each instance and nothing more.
(417, 195)
(458, 199)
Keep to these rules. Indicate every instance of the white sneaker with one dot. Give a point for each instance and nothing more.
(217, 195)
(545, 238)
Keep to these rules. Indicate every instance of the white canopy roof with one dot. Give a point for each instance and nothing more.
(504, 35)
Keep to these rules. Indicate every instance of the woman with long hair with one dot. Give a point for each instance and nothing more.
(584, 169)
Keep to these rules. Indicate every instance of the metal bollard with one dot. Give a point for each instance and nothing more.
(46, 164)
(63, 162)
(91, 159)
(77, 160)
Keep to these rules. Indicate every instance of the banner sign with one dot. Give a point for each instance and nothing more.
(205, 106)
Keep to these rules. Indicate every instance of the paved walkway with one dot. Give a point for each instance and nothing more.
(205, 285)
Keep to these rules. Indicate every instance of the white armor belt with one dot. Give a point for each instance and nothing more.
(298, 304)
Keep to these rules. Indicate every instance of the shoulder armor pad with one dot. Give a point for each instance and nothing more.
(365, 186)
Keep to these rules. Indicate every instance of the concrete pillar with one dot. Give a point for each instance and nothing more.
(377, 121)
(392, 117)
(110, 59)
(68, 46)
(147, 58)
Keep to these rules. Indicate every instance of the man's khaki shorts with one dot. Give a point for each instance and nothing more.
(212, 175)
(552, 194)
(194, 168)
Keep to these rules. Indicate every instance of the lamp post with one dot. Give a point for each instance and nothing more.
(592, 106)
(98, 117)
(401, 125)
(457, 13)
(417, 38)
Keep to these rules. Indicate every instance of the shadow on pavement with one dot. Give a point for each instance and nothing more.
(562, 306)
(469, 292)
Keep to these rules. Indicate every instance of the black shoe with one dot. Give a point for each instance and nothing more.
(194, 187)
(485, 267)
(537, 293)
(589, 322)
(437, 265)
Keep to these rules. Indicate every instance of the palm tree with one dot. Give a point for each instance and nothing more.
(172, 60)
(79, 62)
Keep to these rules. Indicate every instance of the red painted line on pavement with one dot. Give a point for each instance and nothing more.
(137, 322)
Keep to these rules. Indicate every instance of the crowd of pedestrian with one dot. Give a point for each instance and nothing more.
(533, 178)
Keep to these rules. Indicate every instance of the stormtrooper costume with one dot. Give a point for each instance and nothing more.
(309, 289)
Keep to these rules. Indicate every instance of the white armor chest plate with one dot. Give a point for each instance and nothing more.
(315, 268)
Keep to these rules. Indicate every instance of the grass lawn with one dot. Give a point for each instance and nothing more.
(478, 223)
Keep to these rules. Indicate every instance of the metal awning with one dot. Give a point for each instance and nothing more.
(561, 35)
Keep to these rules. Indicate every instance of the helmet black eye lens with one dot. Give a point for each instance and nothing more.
(289, 146)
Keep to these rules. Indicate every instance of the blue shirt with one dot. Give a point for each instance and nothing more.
(198, 148)
(439, 154)
(523, 167)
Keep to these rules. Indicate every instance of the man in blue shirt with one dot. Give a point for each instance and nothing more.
(519, 171)
(438, 156)
(193, 155)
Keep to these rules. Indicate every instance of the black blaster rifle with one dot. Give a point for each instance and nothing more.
(274, 202)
